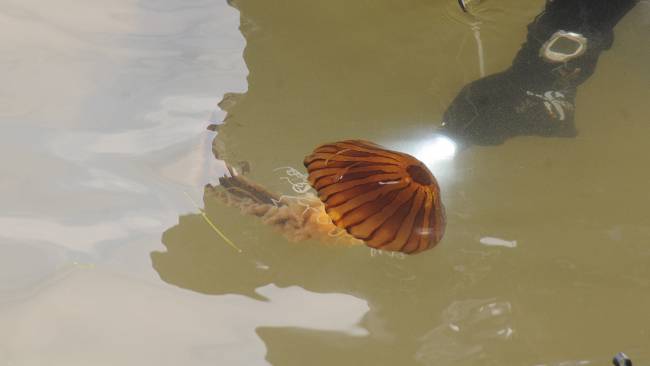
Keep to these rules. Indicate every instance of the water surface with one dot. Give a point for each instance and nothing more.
(105, 259)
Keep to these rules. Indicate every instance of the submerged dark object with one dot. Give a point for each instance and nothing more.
(462, 5)
(388, 199)
(621, 359)
(536, 95)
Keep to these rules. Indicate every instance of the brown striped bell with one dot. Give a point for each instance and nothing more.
(388, 199)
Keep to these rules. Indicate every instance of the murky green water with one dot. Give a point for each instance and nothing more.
(105, 259)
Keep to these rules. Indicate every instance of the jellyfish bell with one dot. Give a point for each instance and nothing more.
(388, 199)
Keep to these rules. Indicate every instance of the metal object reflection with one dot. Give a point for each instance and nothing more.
(621, 359)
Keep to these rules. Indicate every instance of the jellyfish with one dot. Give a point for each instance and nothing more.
(364, 193)
(387, 199)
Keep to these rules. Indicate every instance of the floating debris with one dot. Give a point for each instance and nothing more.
(212, 225)
(498, 242)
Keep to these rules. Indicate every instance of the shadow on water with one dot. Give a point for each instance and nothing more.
(197, 259)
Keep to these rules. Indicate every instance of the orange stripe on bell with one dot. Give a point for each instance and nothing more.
(388, 199)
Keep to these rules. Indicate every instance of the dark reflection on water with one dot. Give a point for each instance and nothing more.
(404, 307)
(442, 307)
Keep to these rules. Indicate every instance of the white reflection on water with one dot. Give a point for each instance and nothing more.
(104, 107)
(567, 363)
(88, 319)
(105, 180)
(176, 131)
(497, 242)
(82, 238)
(176, 120)
(465, 328)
